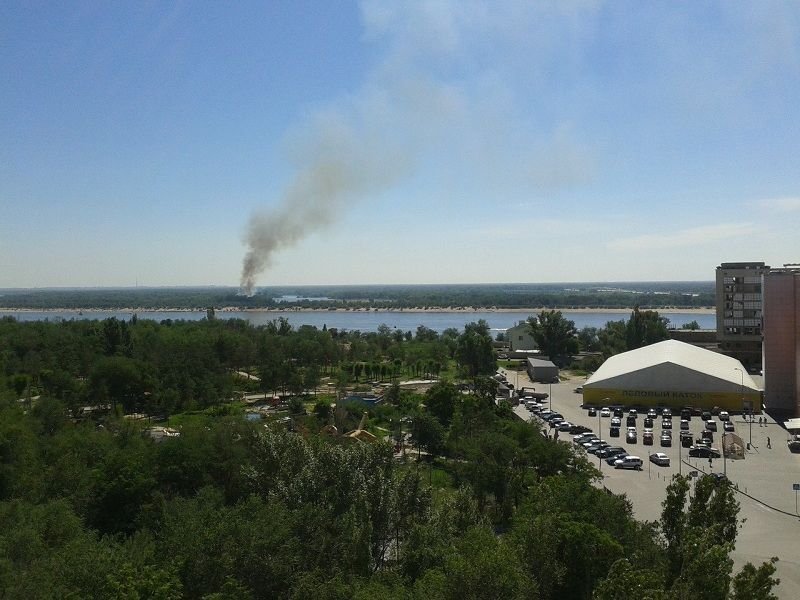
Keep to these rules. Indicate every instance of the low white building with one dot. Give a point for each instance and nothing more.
(519, 337)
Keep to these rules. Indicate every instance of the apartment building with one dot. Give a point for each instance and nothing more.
(740, 303)
(782, 340)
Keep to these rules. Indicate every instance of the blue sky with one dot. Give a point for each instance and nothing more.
(382, 142)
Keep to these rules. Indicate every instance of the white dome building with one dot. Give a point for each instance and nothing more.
(673, 374)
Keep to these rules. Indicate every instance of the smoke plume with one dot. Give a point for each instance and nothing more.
(341, 166)
(420, 105)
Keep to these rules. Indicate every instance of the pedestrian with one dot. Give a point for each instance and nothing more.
(769, 445)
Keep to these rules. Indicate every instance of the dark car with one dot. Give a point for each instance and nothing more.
(728, 426)
(666, 424)
(619, 411)
(686, 413)
(706, 415)
(684, 425)
(652, 413)
(576, 429)
(647, 437)
(610, 451)
(666, 440)
(612, 459)
(686, 440)
(616, 421)
(711, 425)
(703, 452)
(592, 411)
(707, 435)
(648, 421)
(595, 448)
(613, 432)
(631, 421)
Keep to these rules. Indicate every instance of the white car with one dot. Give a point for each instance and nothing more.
(660, 458)
(606, 412)
(629, 462)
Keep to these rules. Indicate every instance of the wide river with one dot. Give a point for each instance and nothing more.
(370, 321)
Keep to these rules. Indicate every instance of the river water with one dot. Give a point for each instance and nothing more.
(368, 321)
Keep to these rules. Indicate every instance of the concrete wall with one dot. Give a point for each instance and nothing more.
(782, 341)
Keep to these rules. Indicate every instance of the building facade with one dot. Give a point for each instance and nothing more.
(519, 337)
(782, 340)
(740, 305)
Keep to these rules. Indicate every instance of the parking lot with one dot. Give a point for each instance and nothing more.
(764, 477)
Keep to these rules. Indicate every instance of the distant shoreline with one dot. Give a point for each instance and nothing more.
(695, 310)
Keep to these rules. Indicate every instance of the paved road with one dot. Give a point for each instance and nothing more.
(766, 474)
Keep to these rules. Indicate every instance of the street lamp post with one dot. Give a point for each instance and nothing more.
(550, 396)
(741, 391)
(599, 435)
(724, 458)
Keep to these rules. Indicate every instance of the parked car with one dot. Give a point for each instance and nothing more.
(616, 421)
(613, 432)
(592, 412)
(618, 411)
(629, 462)
(565, 426)
(576, 429)
(648, 421)
(686, 413)
(647, 437)
(652, 414)
(632, 412)
(597, 447)
(611, 451)
(631, 421)
(706, 415)
(584, 437)
(703, 452)
(666, 424)
(684, 425)
(612, 459)
(667, 413)
(724, 415)
(728, 426)
(660, 459)
(686, 439)
(666, 439)
(711, 425)
(579, 389)
(605, 412)
(630, 437)
(707, 435)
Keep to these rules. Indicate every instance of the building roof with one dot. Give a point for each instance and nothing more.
(673, 353)
(538, 362)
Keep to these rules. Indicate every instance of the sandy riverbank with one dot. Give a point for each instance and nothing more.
(448, 309)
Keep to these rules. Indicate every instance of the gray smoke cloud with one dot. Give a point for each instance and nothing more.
(344, 155)
(417, 104)
(342, 165)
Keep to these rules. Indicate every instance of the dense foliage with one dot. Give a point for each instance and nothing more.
(483, 506)
(617, 295)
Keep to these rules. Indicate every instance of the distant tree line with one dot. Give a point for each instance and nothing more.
(652, 295)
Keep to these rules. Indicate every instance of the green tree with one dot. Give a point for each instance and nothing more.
(554, 334)
(474, 351)
(755, 583)
(644, 328)
(427, 432)
(441, 400)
